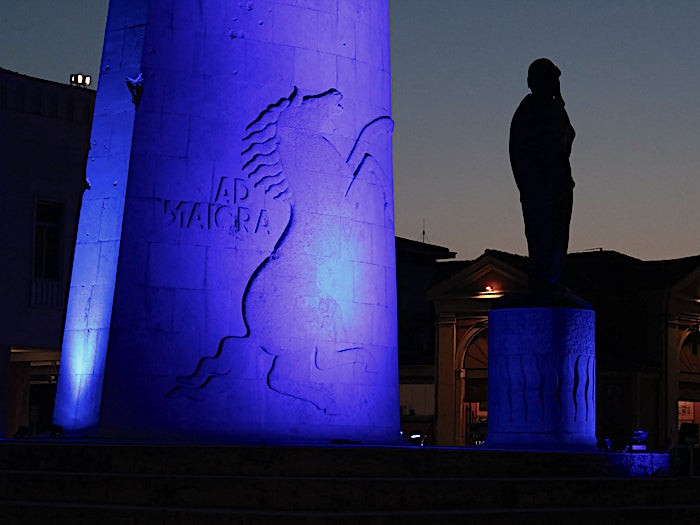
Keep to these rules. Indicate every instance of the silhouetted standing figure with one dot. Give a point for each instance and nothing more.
(540, 145)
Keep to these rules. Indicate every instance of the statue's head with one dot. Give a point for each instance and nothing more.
(543, 77)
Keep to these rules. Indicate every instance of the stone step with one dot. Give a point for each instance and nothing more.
(333, 461)
(22, 513)
(127, 484)
(342, 494)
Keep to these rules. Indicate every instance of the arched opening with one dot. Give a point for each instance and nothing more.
(475, 388)
(689, 386)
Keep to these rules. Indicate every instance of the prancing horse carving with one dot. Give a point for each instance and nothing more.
(291, 307)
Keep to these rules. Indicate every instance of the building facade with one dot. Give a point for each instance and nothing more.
(44, 139)
(647, 321)
(419, 266)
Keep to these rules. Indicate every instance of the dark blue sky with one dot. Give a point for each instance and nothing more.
(631, 79)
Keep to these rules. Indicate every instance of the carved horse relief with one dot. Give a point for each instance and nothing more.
(300, 309)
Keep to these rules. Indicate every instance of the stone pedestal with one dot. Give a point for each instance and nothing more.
(542, 379)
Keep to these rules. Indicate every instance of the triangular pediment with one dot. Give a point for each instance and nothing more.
(689, 282)
(492, 273)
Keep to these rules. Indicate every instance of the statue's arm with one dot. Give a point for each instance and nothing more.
(522, 147)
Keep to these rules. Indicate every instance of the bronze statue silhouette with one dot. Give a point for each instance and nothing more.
(541, 136)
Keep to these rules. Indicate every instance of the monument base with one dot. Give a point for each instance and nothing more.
(542, 379)
(543, 442)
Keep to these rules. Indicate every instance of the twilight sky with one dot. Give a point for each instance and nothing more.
(631, 80)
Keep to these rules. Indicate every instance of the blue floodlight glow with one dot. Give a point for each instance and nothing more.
(88, 317)
(254, 295)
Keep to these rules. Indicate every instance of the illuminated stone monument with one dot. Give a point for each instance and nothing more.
(253, 276)
(542, 343)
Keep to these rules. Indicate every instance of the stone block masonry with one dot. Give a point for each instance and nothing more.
(253, 285)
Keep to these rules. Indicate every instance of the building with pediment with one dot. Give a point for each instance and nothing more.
(647, 322)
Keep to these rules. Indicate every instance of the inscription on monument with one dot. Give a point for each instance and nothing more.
(232, 211)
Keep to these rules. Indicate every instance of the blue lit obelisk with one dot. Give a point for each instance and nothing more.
(253, 275)
(94, 271)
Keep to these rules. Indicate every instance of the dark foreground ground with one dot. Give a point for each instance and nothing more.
(107, 483)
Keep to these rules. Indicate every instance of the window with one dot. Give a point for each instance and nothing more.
(47, 240)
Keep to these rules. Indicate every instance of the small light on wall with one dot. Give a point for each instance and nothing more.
(490, 291)
(79, 79)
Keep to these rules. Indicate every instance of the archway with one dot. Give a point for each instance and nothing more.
(689, 383)
(474, 387)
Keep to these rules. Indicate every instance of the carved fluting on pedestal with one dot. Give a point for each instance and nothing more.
(532, 380)
(541, 377)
